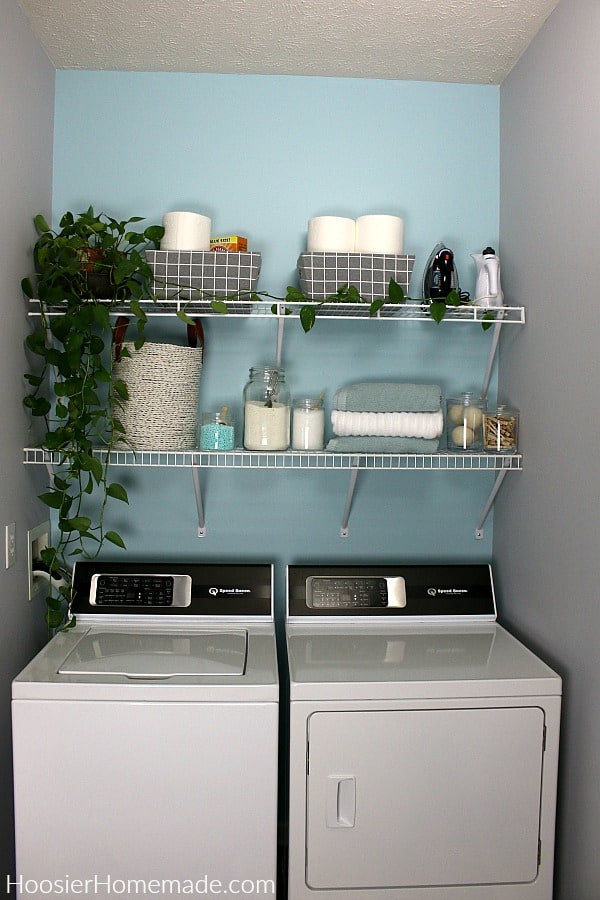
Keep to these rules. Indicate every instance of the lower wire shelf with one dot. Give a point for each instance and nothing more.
(292, 459)
(195, 460)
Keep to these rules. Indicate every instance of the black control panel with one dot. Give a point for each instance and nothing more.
(133, 590)
(406, 591)
(172, 589)
(346, 593)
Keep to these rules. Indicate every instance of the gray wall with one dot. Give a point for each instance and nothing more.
(26, 113)
(547, 520)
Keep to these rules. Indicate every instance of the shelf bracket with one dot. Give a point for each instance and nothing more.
(279, 347)
(349, 497)
(491, 357)
(199, 505)
(486, 509)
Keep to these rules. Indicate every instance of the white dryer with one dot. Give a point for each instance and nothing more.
(146, 737)
(423, 739)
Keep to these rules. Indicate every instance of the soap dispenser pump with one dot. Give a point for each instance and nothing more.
(487, 285)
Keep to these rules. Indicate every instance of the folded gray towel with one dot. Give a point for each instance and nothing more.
(386, 396)
(378, 444)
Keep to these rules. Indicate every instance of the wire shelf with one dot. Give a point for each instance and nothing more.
(407, 312)
(291, 459)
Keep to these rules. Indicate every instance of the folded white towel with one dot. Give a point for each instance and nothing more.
(396, 424)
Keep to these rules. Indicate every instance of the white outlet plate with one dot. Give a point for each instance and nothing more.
(38, 539)
(10, 545)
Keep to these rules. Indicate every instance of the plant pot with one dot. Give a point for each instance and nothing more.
(99, 282)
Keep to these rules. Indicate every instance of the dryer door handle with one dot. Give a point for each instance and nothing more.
(341, 801)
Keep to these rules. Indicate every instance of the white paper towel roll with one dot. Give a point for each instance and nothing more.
(186, 231)
(380, 234)
(333, 234)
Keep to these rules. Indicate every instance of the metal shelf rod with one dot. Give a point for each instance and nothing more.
(486, 509)
(349, 498)
(199, 504)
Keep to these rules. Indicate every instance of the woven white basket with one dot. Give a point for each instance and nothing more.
(163, 382)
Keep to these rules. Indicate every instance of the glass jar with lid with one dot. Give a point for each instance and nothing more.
(501, 430)
(464, 422)
(217, 430)
(308, 424)
(266, 409)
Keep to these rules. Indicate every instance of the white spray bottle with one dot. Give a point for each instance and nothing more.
(487, 285)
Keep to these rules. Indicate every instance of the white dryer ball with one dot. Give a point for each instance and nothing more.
(456, 412)
(462, 436)
(470, 415)
(473, 416)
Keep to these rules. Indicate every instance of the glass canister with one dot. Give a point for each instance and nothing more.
(464, 422)
(217, 430)
(308, 424)
(266, 410)
(501, 430)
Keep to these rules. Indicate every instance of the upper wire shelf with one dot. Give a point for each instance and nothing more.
(408, 312)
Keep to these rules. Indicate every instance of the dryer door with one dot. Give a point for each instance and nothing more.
(423, 797)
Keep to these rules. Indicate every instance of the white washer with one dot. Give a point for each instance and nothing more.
(146, 737)
(423, 739)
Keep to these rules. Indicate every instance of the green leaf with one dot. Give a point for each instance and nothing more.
(117, 491)
(294, 295)
(27, 288)
(115, 538)
(53, 618)
(275, 310)
(353, 295)
(36, 342)
(154, 233)
(437, 310)
(34, 380)
(120, 389)
(219, 306)
(396, 294)
(52, 499)
(138, 312)
(37, 406)
(41, 224)
(183, 316)
(307, 317)
(48, 555)
(376, 306)
(53, 602)
(96, 469)
(487, 321)
(340, 295)
(453, 298)
(78, 523)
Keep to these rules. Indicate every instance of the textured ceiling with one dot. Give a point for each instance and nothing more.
(470, 41)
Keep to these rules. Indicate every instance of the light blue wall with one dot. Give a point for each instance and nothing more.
(260, 155)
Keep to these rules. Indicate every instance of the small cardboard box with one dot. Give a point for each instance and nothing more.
(232, 243)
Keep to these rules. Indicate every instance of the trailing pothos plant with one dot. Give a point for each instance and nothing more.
(309, 309)
(84, 269)
(350, 294)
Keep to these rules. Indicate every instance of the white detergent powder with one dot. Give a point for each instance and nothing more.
(266, 427)
(308, 426)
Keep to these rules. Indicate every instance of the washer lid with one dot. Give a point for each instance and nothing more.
(158, 655)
